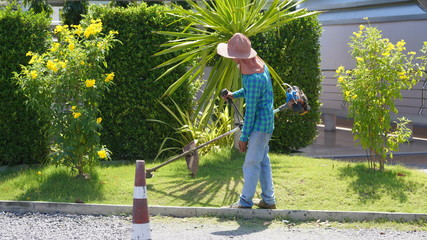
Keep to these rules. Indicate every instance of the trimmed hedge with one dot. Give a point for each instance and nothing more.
(293, 51)
(23, 138)
(73, 11)
(133, 99)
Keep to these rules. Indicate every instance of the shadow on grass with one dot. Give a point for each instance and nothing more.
(220, 173)
(372, 185)
(61, 186)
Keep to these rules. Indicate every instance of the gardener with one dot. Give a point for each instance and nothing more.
(258, 123)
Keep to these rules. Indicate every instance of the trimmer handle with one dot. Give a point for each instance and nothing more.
(224, 92)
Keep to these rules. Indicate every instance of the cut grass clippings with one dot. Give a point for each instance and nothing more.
(301, 183)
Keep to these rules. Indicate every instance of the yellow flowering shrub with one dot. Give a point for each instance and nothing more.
(67, 83)
(109, 77)
(90, 82)
(382, 70)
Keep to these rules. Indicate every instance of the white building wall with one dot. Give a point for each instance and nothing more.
(397, 19)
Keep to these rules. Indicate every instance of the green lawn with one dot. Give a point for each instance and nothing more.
(300, 183)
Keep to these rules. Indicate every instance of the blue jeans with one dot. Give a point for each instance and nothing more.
(257, 167)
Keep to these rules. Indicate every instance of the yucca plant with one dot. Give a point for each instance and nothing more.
(191, 128)
(214, 22)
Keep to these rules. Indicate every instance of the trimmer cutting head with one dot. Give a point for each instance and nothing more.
(192, 158)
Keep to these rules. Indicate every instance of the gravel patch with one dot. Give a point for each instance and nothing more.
(69, 226)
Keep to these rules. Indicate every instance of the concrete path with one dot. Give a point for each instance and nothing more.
(339, 144)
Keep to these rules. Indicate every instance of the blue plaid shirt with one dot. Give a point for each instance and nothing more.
(258, 93)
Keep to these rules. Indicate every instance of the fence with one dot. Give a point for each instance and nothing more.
(411, 105)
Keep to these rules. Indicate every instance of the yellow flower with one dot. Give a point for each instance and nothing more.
(58, 29)
(76, 115)
(99, 120)
(109, 77)
(412, 53)
(33, 74)
(90, 82)
(82, 62)
(102, 154)
(348, 71)
(55, 47)
(39, 173)
(401, 43)
(73, 107)
(390, 46)
(340, 79)
(51, 66)
(33, 59)
(357, 34)
(94, 28)
(113, 32)
(63, 64)
(77, 29)
(71, 46)
(361, 27)
(385, 54)
(359, 59)
(403, 77)
(29, 53)
(340, 69)
(354, 96)
(347, 93)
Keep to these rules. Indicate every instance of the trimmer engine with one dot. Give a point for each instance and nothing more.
(297, 100)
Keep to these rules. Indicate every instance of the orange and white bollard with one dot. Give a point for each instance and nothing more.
(140, 220)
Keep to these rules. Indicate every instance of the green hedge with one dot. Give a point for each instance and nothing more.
(294, 52)
(73, 11)
(133, 98)
(23, 134)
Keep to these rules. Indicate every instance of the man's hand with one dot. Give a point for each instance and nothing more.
(228, 96)
(243, 146)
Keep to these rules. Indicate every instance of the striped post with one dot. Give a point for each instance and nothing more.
(140, 220)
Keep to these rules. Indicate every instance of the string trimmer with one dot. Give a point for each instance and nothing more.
(296, 100)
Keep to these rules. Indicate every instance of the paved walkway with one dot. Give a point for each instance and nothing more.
(339, 144)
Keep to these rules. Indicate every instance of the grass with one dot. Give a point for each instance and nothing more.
(300, 183)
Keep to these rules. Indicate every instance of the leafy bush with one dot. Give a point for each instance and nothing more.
(133, 100)
(382, 70)
(23, 132)
(66, 84)
(293, 51)
(73, 11)
(39, 6)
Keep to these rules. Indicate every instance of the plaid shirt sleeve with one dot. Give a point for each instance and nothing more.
(239, 93)
(258, 93)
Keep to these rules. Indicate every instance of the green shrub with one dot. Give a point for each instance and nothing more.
(39, 6)
(66, 84)
(371, 90)
(133, 99)
(23, 133)
(294, 52)
(73, 11)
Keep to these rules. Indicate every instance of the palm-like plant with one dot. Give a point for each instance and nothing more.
(214, 22)
(191, 128)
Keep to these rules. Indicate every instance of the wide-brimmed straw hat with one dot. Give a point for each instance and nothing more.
(239, 46)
